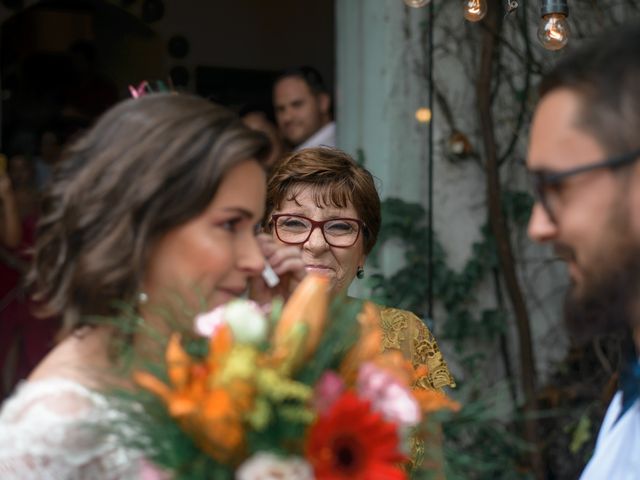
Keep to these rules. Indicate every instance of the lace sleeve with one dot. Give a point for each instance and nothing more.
(50, 429)
(404, 331)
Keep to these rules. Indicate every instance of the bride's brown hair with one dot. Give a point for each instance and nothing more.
(146, 167)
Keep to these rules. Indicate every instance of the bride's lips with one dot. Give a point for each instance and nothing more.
(232, 292)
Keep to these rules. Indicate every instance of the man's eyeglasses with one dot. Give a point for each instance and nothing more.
(546, 183)
(296, 229)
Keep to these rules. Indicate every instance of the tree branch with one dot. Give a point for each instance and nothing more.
(500, 231)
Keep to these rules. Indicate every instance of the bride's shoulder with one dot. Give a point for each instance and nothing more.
(51, 399)
(53, 425)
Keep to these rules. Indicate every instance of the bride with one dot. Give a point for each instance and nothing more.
(156, 205)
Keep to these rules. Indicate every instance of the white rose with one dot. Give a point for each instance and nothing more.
(267, 466)
(247, 321)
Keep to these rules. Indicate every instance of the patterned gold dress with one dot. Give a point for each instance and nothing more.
(404, 331)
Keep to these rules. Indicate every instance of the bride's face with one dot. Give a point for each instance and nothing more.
(209, 260)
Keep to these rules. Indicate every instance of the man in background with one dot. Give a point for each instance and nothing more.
(257, 117)
(584, 157)
(302, 107)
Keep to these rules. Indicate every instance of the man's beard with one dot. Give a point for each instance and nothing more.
(608, 302)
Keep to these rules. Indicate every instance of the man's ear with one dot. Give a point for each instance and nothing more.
(325, 103)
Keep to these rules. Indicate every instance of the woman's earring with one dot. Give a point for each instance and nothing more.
(142, 298)
(360, 272)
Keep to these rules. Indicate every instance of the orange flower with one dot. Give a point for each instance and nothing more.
(210, 413)
(217, 426)
(306, 308)
(433, 401)
(369, 345)
(394, 362)
(351, 442)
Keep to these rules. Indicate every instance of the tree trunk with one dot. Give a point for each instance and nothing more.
(490, 38)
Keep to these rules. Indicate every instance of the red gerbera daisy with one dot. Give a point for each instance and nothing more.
(352, 442)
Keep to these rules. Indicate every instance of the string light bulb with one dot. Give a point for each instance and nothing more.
(423, 115)
(416, 3)
(474, 10)
(553, 31)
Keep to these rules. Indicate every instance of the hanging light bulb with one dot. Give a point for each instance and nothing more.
(474, 10)
(553, 31)
(416, 3)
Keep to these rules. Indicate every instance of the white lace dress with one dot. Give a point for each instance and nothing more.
(50, 429)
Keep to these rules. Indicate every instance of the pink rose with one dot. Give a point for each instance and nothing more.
(387, 395)
(327, 391)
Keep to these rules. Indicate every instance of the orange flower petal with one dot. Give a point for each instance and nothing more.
(181, 404)
(432, 401)
(395, 363)
(152, 384)
(369, 345)
(221, 424)
(220, 345)
(308, 304)
(178, 362)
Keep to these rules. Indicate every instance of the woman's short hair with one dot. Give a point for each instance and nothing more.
(147, 166)
(335, 179)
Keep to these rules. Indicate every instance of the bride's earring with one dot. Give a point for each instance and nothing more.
(143, 298)
(360, 272)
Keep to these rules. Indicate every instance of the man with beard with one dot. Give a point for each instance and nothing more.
(584, 157)
(303, 108)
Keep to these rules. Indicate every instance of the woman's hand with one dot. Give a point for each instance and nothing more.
(286, 262)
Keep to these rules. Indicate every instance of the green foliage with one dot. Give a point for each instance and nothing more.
(581, 434)
(479, 445)
(407, 287)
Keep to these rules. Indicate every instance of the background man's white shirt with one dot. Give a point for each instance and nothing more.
(325, 137)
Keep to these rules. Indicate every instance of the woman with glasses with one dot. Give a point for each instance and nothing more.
(321, 201)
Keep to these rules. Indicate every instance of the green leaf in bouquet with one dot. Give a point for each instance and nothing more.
(260, 417)
(298, 414)
(278, 388)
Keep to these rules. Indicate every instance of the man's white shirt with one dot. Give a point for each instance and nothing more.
(617, 452)
(325, 137)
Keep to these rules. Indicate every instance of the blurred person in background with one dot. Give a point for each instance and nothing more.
(24, 338)
(302, 105)
(259, 118)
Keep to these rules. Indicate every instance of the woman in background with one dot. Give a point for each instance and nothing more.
(322, 201)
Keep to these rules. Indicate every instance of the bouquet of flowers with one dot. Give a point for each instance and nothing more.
(300, 393)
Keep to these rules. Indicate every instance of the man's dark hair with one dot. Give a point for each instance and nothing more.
(605, 73)
(310, 75)
(265, 108)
